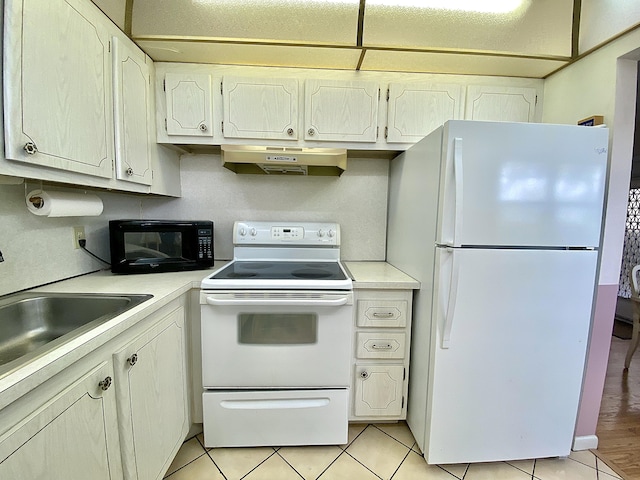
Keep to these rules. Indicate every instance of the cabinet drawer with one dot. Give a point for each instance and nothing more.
(382, 313)
(380, 345)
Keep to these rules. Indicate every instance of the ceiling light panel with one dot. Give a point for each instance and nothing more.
(258, 55)
(420, 62)
(602, 19)
(533, 27)
(282, 21)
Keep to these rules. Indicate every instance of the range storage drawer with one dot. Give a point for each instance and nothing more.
(275, 417)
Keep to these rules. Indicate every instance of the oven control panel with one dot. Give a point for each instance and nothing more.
(284, 233)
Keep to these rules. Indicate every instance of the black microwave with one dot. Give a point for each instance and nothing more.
(146, 246)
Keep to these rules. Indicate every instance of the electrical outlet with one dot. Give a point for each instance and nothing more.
(78, 234)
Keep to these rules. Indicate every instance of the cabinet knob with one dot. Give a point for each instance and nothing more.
(364, 374)
(129, 171)
(105, 384)
(203, 127)
(133, 359)
(30, 148)
(290, 132)
(311, 132)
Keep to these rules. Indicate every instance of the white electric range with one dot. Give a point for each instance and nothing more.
(276, 338)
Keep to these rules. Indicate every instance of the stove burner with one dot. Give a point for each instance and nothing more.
(241, 274)
(311, 273)
(255, 265)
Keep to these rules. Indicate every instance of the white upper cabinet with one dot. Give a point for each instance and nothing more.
(57, 89)
(341, 111)
(189, 105)
(416, 109)
(259, 108)
(508, 104)
(131, 98)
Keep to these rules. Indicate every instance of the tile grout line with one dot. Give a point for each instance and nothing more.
(405, 457)
(292, 467)
(216, 465)
(275, 452)
(354, 458)
(391, 436)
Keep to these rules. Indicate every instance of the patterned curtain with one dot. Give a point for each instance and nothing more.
(631, 252)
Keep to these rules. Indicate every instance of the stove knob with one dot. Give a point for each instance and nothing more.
(253, 232)
(242, 232)
(331, 233)
(321, 233)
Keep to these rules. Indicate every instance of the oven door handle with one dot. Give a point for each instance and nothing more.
(306, 302)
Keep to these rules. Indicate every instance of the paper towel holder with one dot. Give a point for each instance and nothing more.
(37, 201)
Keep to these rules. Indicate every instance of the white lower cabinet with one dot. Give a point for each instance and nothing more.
(124, 417)
(73, 436)
(152, 398)
(381, 354)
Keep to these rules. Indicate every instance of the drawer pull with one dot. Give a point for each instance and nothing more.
(383, 314)
(385, 346)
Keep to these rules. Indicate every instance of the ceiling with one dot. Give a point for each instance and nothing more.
(521, 38)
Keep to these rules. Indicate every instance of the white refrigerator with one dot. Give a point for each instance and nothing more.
(501, 224)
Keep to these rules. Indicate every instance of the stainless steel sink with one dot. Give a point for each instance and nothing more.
(33, 323)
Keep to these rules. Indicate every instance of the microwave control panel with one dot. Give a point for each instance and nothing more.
(205, 244)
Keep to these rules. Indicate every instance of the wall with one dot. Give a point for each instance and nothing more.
(40, 250)
(357, 200)
(601, 84)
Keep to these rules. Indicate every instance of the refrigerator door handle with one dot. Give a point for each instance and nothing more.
(458, 178)
(453, 294)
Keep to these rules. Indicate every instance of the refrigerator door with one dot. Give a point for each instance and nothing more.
(521, 184)
(508, 346)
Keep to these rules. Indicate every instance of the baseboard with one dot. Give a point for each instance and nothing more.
(586, 442)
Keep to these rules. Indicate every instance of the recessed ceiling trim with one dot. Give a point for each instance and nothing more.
(213, 41)
(128, 17)
(360, 33)
(597, 47)
(361, 59)
(575, 29)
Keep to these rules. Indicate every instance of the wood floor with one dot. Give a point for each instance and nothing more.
(618, 427)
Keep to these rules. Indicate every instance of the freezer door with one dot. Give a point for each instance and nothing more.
(514, 184)
(508, 347)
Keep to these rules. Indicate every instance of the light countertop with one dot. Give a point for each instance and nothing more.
(165, 287)
(379, 275)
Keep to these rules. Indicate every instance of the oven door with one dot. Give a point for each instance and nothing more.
(276, 339)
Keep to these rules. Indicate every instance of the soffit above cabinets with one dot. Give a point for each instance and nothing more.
(528, 38)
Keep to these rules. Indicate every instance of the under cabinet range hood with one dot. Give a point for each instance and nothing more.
(284, 160)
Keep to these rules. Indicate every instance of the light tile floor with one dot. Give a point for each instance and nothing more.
(381, 451)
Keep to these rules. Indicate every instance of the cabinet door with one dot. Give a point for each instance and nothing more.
(260, 108)
(74, 436)
(189, 106)
(57, 90)
(152, 398)
(131, 98)
(341, 111)
(506, 104)
(415, 110)
(378, 390)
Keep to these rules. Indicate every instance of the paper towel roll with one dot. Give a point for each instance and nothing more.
(63, 204)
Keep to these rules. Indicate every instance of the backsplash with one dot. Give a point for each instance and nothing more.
(39, 250)
(357, 200)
